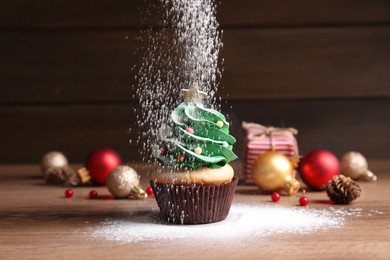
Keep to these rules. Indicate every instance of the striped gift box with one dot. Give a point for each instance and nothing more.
(261, 139)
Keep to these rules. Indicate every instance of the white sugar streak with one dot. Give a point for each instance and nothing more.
(244, 221)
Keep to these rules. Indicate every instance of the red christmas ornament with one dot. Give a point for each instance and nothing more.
(275, 196)
(149, 191)
(164, 150)
(100, 163)
(93, 194)
(68, 193)
(318, 167)
(190, 130)
(303, 201)
(180, 157)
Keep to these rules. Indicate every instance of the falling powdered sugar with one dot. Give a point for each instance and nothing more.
(244, 221)
(180, 53)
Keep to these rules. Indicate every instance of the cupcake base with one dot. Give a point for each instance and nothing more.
(194, 204)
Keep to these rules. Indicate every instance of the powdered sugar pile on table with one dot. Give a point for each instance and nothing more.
(244, 221)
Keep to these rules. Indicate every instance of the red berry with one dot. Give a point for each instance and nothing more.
(93, 194)
(189, 130)
(303, 201)
(275, 196)
(164, 150)
(69, 193)
(149, 191)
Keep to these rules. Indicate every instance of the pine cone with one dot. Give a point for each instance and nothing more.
(61, 175)
(342, 190)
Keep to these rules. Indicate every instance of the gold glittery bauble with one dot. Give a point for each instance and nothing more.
(123, 182)
(272, 171)
(53, 159)
(354, 165)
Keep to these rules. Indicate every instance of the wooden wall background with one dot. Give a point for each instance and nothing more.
(321, 66)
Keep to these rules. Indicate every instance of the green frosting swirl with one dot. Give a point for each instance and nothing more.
(198, 137)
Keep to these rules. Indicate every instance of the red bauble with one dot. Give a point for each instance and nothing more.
(100, 163)
(318, 167)
(190, 130)
(164, 150)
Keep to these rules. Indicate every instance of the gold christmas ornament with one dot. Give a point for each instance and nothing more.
(354, 165)
(53, 159)
(123, 182)
(272, 171)
(198, 150)
(219, 123)
(83, 175)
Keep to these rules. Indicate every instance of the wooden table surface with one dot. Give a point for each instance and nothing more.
(37, 222)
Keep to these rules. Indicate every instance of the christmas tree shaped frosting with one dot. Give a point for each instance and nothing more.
(195, 136)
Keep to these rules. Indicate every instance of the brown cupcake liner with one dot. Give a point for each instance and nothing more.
(193, 203)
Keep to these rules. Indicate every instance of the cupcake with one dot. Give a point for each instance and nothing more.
(195, 183)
